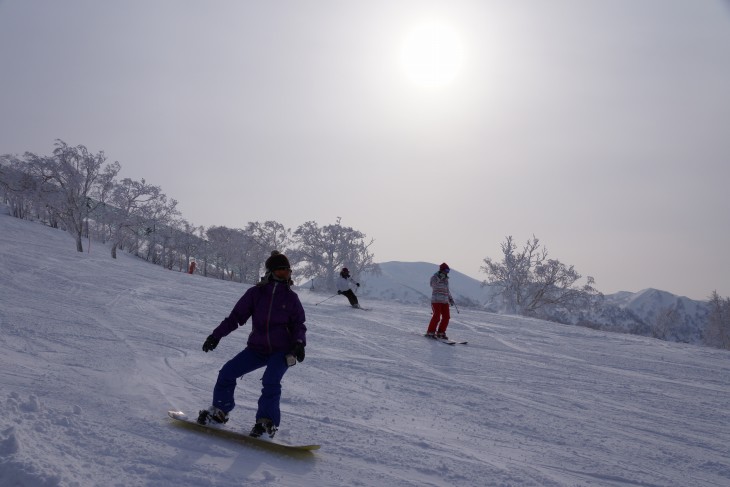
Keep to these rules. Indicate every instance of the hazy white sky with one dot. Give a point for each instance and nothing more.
(601, 127)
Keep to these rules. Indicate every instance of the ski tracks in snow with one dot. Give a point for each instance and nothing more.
(95, 351)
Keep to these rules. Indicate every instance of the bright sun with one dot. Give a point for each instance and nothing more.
(432, 55)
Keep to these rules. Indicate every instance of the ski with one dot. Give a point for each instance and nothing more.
(451, 342)
(183, 419)
(446, 341)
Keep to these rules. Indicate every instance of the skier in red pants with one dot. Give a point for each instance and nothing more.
(440, 301)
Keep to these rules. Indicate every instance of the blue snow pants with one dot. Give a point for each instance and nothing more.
(240, 365)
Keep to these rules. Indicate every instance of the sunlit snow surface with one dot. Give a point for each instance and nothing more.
(95, 351)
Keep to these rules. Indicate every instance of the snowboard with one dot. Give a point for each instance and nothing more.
(266, 444)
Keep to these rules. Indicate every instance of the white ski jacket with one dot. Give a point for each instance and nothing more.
(343, 284)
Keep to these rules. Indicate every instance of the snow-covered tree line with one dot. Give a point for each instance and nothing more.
(62, 189)
(531, 284)
(717, 333)
(79, 192)
(528, 283)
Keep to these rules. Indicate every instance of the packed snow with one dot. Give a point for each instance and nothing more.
(95, 351)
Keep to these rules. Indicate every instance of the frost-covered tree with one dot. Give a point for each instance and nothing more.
(265, 237)
(239, 254)
(158, 217)
(128, 199)
(18, 188)
(188, 243)
(322, 251)
(220, 242)
(667, 320)
(230, 251)
(717, 332)
(531, 284)
(69, 184)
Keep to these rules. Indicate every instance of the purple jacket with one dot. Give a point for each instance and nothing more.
(278, 318)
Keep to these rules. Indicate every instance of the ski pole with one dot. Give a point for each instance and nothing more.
(326, 299)
(457, 308)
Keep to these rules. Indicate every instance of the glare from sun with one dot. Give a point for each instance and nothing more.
(432, 55)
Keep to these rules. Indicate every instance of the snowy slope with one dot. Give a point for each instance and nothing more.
(96, 350)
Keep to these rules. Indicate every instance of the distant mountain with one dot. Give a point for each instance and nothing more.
(649, 312)
(667, 316)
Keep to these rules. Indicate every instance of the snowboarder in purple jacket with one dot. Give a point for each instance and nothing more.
(276, 341)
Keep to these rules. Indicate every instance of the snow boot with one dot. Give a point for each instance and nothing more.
(430, 334)
(212, 415)
(263, 425)
(442, 335)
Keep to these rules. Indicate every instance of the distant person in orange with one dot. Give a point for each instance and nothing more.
(440, 301)
(191, 269)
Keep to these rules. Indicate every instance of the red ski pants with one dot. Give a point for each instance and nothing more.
(440, 313)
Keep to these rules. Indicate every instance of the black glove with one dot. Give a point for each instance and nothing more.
(358, 284)
(210, 343)
(339, 292)
(298, 351)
